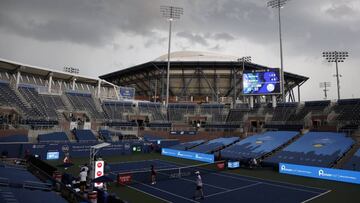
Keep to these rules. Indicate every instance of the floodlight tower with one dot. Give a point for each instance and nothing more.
(171, 13)
(336, 57)
(279, 4)
(242, 60)
(325, 85)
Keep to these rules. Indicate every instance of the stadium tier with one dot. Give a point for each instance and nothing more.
(152, 109)
(214, 145)
(84, 102)
(116, 110)
(53, 137)
(315, 149)
(187, 145)
(179, 112)
(257, 146)
(354, 162)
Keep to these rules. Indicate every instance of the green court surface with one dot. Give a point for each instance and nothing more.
(340, 192)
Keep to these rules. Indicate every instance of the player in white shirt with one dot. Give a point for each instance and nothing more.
(199, 186)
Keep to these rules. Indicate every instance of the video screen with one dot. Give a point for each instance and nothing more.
(52, 155)
(261, 82)
(233, 164)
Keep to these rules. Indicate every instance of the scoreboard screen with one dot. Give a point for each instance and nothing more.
(261, 82)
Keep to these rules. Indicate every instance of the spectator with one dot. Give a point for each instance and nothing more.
(83, 178)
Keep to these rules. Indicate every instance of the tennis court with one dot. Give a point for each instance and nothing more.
(218, 186)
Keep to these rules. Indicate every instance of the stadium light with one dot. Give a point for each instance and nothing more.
(336, 57)
(171, 13)
(325, 85)
(279, 4)
(243, 60)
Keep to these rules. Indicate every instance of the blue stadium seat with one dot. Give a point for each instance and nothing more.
(257, 145)
(214, 144)
(55, 136)
(315, 149)
(187, 145)
(85, 135)
(354, 162)
(14, 138)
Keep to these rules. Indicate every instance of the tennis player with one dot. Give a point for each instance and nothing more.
(153, 175)
(199, 186)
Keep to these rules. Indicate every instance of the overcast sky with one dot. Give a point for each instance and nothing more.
(101, 36)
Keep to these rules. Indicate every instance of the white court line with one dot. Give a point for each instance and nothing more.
(277, 185)
(268, 180)
(221, 188)
(239, 188)
(164, 191)
(125, 162)
(149, 194)
(324, 193)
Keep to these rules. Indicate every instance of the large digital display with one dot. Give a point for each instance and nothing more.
(321, 173)
(261, 82)
(188, 155)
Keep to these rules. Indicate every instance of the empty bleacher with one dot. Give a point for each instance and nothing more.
(258, 145)
(313, 107)
(14, 138)
(348, 111)
(283, 111)
(214, 145)
(84, 102)
(315, 149)
(45, 104)
(354, 162)
(53, 137)
(179, 112)
(216, 111)
(106, 135)
(187, 145)
(116, 110)
(85, 136)
(153, 109)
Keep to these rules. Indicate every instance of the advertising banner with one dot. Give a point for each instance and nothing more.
(321, 173)
(209, 158)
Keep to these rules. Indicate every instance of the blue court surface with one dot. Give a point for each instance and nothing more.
(219, 186)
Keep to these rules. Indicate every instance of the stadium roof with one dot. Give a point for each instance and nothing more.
(12, 67)
(196, 56)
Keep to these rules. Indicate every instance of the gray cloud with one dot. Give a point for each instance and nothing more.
(193, 38)
(223, 36)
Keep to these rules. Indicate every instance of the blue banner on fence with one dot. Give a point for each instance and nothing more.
(321, 173)
(127, 92)
(209, 158)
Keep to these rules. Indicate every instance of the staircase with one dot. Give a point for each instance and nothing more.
(350, 153)
(66, 102)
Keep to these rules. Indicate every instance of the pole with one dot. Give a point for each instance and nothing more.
(168, 66)
(281, 55)
(234, 86)
(337, 78)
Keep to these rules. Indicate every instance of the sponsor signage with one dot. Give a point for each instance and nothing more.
(124, 179)
(99, 171)
(233, 164)
(321, 173)
(127, 92)
(183, 132)
(209, 158)
(52, 155)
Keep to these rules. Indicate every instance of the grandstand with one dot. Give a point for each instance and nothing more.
(315, 149)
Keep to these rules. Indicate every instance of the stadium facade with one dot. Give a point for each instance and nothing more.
(194, 77)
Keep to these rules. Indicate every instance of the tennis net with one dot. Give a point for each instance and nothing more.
(167, 174)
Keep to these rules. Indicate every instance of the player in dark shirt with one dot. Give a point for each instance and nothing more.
(153, 175)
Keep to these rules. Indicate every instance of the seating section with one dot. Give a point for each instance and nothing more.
(9, 98)
(236, 116)
(84, 102)
(154, 109)
(258, 145)
(215, 144)
(178, 112)
(315, 107)
(283, 111)
(106, 135)
(315, 149)
(216, 111)
(14, 138)
(85, 135)
(45, 104)
(354, 162)
(348, 110)
(55, 136)
(187, 145)
(115, 110)
(15, 195)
